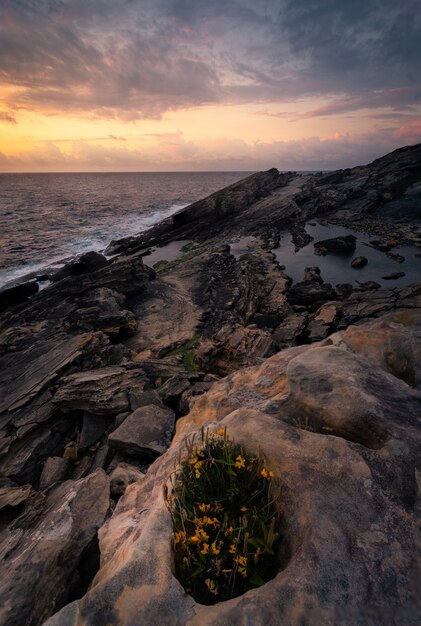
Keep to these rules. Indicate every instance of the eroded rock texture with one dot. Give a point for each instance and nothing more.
(96, 369)
(337, 422)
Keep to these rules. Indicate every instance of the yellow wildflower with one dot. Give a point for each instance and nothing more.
(242, 571)
(241, 560)
(243, 509)
(221, 432)
(180, 536)
(210, 584)
(205, 549)
(195, 539)
(204, 507)
(232, 549)
(215, 550)
(267, 475)
(240, 462)
(203, 536)
(197, 474)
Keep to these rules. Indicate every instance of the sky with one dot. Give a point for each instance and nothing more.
(206, 85)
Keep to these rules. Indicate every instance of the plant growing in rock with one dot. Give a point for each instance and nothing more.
(224, 519)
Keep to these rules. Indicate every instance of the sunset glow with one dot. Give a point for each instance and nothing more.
(191, 85)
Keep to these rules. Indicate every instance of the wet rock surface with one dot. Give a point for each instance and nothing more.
(98, 367)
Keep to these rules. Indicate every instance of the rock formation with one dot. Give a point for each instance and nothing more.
(97, 367)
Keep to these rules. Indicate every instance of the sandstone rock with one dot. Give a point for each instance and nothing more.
(93, 428)
(128, 275)
(310, 294)
(337, 245)
(88, 262)
(394, 276)
(42, 547)
(340, 434)
(322, 324)
(312, 274)
(25, 457)
(345, 289)
(395, 257)
(369, 285)
(146, 432)
(55, 470)
(16, 295)
(171, 391)
(290, 331)
(145, 398)
(122, 476)
(359, 261)
(189, 396)
(102, 310)
(380, 245)
(14, 496)
(101, 392)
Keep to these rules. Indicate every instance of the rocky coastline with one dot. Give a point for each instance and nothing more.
(106, 370)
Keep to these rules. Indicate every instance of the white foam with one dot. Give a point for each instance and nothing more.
(116, 229)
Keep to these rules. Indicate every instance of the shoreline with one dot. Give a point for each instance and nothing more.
(109, 370)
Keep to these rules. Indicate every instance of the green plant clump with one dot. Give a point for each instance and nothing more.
(187, 351)
(224, 519)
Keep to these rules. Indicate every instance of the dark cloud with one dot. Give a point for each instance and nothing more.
(141, 58)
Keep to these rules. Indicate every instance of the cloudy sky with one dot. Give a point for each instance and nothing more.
(150, 85)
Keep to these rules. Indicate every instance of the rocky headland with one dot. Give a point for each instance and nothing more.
(106, 371)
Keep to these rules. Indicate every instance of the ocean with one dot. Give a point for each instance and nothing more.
(47, 218)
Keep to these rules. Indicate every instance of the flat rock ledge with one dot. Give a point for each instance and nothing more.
(339, 424)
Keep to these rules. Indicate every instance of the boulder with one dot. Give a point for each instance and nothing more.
(359, 261)
(369, 285)
(13, 496)
(344, 289)
(312, 274)
(395, 257)
(311, 294)
(323, 322)
(43, 545)
(394, 276)
(337, 245)
(93, 428)
(146, 432)
(102, 309)
(86, 263)
(123, 476)
(102, 392)
(55, 470)
(290, 331)
(17, 294)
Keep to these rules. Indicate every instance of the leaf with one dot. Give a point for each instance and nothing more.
(257, 543)
(198, 570)
(256, 580)
(222, 462)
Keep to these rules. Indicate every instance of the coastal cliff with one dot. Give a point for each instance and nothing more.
(107, 370)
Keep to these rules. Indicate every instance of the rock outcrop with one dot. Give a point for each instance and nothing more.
(97, 367)
(42, 547)
(338, 424)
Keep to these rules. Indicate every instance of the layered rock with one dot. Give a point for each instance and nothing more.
(42, 546)
(96, 367)
(337, 423)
